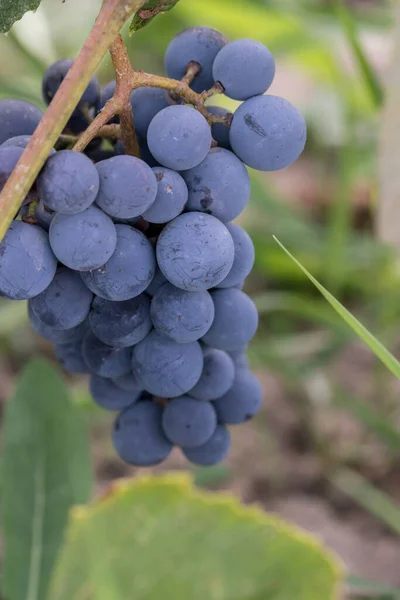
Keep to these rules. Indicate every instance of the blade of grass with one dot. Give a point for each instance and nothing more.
(377, 348)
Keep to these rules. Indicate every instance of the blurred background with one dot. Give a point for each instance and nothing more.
(324, 452)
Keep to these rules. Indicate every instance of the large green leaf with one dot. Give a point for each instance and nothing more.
(157, 537)
(13, 10)
(46, 469)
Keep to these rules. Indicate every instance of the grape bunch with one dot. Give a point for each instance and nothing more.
(133, 267)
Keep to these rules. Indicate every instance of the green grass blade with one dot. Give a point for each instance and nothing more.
(376, 346)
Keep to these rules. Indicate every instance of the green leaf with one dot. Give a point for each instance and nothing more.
(46, 468)
(158, 537)
(148, 11)
(377, 348)
(13, 10)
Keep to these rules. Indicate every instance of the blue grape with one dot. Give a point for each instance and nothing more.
(219, 186)
(127, 382)
(17, 117)
(43, 216)
(83, 241)
(239, 358)
(268, 133)
(245, 68)
(242, 402)
(180, 315)
(188, 422)
(108, 395)
(27, 264)
(219, 131)
(128, 186)
(145, 153)
(106, 93)
(68, 183)
(104, 360)
(165, 368)
(9, 156)
(21, 141)
(146, 102)
(171, 197)
(54, 76)
(65, 302)
(128, 272)
(138, 437)
(235, 321)
(121, 324)
(217, 376)
(244, 257)
(213, 451)
(71, 357)
(195, 251)
(58, 336)
(179, 137)
(197, 44)
(156, 283)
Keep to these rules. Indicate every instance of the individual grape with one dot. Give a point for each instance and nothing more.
(127, 382)
(172, 195)
(128, 186)
(197, 44)
(239, 358)
(195, 251)
(58, 336)
(138, 437)
(9, 156)
(104, 360)
(54, 76)
(68, 183)
(43, 216)
(20, 141)
(17, 117)
(219, 131)
(268, 133)
(146, 102)
(108, 395)
(235, 321)
(156, 283)
(27, 264)
(188, 422)
(83, 241)
(121, 324)
(71, 358)
(244, 257)
(217, 376)
(245, 68)
(242, 402)
(128, 272)
(180, 315)
(65, 302)
(106, 93)
(213, 451)
(219, 186)
(145, 153)
(179, 137)
(165, 368)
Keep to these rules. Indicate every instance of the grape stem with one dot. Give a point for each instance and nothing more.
(128, 80)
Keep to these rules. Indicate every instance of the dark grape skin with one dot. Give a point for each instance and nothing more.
(244, 257)
(128, 272)
(27, 263)
(21, 141)
(268, 133)
(165, 368)
(198, 44)
(219, 131)
(58, 336)
(242, 402)
(179, 137)
(9, 156)
(157, 281)
(121, 324)
(195, 251)
(65, 303)
(235, 321)
(188, 422)
(43, 215)
(213, 451)
(109, 396)
(104, 360)
(146, 102)
(17, 117)
(245, 68)
(68, 182)
(172, 195)
(138, 437)
(54, 76)
(127, 382)
(71, 358)
(217, 376)
(218, 186)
